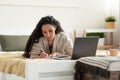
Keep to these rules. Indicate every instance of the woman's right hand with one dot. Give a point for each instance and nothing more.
(43, 55)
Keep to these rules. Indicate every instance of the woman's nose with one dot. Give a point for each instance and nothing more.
(48, 34)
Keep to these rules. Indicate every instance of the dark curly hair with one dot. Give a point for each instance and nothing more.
(37, 32)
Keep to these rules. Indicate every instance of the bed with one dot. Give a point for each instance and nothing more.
(15, 67)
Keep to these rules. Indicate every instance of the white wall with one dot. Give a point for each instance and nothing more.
(21, 16)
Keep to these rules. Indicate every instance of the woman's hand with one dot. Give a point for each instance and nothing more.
(55, 54)
(43, 55)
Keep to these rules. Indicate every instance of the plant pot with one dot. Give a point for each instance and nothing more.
(110, 25)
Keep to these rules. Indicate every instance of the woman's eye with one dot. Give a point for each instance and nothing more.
(44, 32)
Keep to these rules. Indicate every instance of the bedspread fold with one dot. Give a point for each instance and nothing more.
(12, 64)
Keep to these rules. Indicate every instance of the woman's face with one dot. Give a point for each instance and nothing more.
(48, 31)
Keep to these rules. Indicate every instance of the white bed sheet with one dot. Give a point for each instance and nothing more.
(4, 76)
(46, 69)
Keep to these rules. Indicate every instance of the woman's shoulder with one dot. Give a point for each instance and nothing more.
(62, 34)
(41, 39)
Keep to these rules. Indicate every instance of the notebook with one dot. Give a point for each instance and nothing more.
(84, 46)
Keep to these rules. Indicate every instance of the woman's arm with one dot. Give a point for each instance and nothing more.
(37, 51)
(40, 55)
(62, 45)
(68, 45)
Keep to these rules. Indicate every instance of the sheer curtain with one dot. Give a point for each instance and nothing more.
(113, 9)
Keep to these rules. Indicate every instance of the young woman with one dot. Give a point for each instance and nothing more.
(48, 40)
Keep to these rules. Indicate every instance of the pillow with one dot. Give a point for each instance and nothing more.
(13, 42)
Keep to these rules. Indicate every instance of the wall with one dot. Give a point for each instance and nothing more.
(21, 16)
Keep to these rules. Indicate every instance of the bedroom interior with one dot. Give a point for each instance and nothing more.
(19, 17)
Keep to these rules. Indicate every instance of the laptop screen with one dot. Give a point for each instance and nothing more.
(84, 46)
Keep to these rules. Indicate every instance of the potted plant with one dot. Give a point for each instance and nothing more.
(97, 34)
(110, 22)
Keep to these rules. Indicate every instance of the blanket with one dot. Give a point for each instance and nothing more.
(12, 64)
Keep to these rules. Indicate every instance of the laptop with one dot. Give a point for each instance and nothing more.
(84, 46)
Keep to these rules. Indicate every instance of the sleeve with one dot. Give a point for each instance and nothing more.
(68, 45)
(36, 50)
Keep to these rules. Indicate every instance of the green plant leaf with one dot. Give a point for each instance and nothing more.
(110, 19)
(100, 35)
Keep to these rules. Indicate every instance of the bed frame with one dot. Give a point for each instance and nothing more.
(45, 70)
